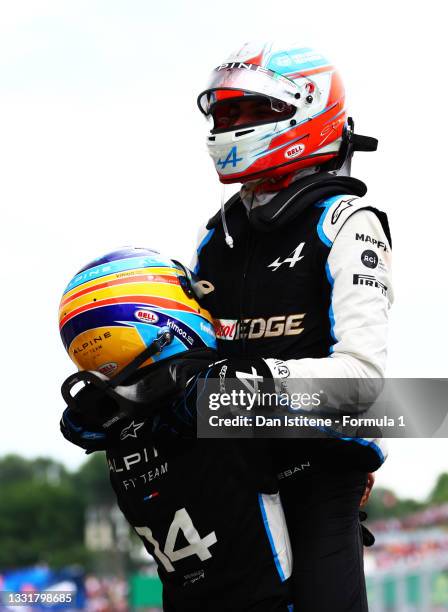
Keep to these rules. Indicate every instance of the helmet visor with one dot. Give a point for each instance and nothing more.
(249, 78)
(248, 111)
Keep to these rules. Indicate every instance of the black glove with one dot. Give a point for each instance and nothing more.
(248, 375)
(97, 414)
(88, 428)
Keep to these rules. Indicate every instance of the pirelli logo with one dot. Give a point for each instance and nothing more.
(369, 281)
(253, 329)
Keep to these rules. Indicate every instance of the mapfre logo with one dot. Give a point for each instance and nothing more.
(146, 316)
(294, 151)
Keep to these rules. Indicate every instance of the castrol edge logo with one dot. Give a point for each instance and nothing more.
(294, 151)
(146, 316)
(282, 325)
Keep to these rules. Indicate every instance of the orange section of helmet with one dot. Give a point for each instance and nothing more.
(106, 349)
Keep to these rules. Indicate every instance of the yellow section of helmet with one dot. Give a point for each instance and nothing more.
(106, 349)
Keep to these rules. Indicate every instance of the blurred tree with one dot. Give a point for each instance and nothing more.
(92, 481)
(439, 494)
(384, 504)
(41, 514)
(14, 468)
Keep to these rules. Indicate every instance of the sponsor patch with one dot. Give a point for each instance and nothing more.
(146, 316)
(369, 259)
(207, 329)
(131, 430)
(282, 325)
(193, 577)
(373, 241)
(369, 281)
(340, 208)
(225, 329)
(291, 260)
(294, 151)
(293, 470)
(108, 368)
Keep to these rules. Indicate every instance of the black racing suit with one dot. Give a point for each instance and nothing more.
(209, 512)
(313, 292)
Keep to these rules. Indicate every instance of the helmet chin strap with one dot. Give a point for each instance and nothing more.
(163, 339)
(112, 386)
(229, 239)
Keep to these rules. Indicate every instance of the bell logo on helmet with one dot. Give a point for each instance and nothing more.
(108, 368)
(146, 316)
(294, 151)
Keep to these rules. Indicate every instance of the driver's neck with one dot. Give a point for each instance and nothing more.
(260, 192)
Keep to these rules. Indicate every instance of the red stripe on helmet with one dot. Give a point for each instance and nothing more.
(139, 278)
(129, 299)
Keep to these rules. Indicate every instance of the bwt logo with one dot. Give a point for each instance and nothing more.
(207, 329)
(146, 316)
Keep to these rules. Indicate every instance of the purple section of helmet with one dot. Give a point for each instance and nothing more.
(123, 253)
(145, 260)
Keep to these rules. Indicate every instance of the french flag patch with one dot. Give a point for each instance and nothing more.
(151, 496)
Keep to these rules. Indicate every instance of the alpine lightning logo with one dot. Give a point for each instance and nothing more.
(292, 259)
(231, 159)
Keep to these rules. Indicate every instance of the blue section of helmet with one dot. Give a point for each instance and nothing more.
(184, 326)
(296, 60)
(149, 333)
(191, 330)
(119, 265)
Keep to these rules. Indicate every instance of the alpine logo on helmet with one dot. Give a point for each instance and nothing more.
(274, 110)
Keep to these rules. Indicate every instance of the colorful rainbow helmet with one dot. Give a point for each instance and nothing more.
(118, 306)
(302, 117)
